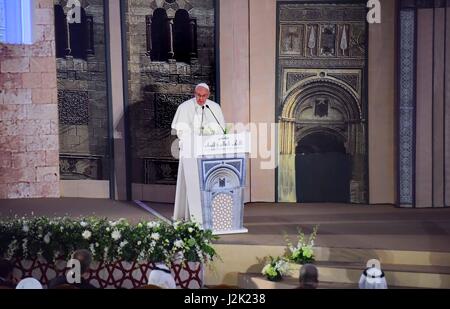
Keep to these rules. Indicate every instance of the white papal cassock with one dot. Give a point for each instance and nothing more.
(190, 120)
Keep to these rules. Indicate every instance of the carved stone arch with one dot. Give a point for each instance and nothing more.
(339, 102)
(292, 97)
(214, 177)
(349, 127)
(83, 4)
(171, 6)
(302, 133)
(299, 96)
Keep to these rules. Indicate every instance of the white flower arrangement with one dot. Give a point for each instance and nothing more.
(116, 235)
(303, 252)
(275, 268)
(86, 234)
(57, 238)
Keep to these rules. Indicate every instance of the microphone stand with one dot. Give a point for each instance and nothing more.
(223, 130)
(201, 124)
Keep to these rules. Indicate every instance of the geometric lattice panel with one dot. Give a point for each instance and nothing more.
(222, 212)
(407, 107)
(116, 275)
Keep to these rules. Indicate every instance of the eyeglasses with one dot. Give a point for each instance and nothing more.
(201, 96)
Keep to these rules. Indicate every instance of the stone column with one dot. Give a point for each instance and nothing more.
(262, 36)
(148, 28)
(193, 33)
(116, 92)
(382, 97)
(287, 190)
(89, 35)
(170, 25)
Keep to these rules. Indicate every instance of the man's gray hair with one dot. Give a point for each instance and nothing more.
(309, 275)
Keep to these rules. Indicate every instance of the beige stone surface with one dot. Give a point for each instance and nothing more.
(262, 90)
(28, 114)
(382, 100)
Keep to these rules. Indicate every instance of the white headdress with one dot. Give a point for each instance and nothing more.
(29, 284)
(203, 85)
(162, 277)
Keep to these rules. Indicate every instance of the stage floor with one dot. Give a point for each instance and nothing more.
(74, 207)
(340, 225)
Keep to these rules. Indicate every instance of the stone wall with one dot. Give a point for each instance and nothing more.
(29, 114)
(83, 105)
(322, 56)
(156, 88)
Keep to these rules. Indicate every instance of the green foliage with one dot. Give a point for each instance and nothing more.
(303, 252)
(108, 241)
(275, 268)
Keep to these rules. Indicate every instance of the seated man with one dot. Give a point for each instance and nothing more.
(85, 259)
(309, 277)
(161, 276)
(373, 278)
(29, 284)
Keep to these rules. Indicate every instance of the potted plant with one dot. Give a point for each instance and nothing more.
(275, 268)
(303, 251)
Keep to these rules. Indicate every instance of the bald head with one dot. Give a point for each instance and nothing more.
(309, 276)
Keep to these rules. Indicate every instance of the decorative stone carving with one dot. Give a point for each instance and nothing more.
(334, 54)
(291, 39)
(160, 171)
(165, 107)
(80, 167)
(321, 107)
(294, 78)
(406, 111)
(322, 12)
(327, 40)
(353, 80)
(171, 4)
(312, 40)
(358, 40)
(73, 107)
(322, 63)
(344, 41)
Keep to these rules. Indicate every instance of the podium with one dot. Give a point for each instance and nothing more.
(215, 172)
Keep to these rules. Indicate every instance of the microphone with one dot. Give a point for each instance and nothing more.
(223, 130)
(201, 124)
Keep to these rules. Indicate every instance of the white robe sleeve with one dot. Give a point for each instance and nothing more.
(181, 122)
(176, 121)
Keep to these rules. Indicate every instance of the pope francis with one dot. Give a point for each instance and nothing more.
(197, 116)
